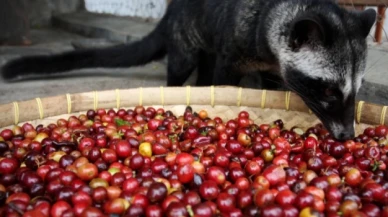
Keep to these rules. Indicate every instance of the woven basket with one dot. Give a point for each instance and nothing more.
(223, 101)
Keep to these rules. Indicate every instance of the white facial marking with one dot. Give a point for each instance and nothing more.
(347, 88)
(283, 13)
(324, 104)
(336, 128)
(358, 81)
(311, 63)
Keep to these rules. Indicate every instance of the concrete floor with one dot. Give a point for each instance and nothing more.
(377, 65)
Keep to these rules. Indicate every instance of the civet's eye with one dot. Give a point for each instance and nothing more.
(329, 92)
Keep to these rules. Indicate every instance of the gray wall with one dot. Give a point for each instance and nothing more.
(40, 11)
(13, 20)
(17, 16)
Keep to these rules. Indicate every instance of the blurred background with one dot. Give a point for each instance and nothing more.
(36, 27)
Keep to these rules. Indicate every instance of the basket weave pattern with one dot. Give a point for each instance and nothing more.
(223, 101)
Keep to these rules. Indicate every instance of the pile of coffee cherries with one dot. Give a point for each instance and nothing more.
(150, 162)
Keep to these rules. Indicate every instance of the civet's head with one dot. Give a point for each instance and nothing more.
(324, 62)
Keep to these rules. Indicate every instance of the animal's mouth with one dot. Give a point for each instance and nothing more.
(339, 124)
(338, 121)
(339, 131)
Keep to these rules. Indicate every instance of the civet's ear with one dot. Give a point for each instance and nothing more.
(368, 19)
(306, 31)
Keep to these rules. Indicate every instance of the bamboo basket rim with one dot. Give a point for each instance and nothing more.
(40, 108)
